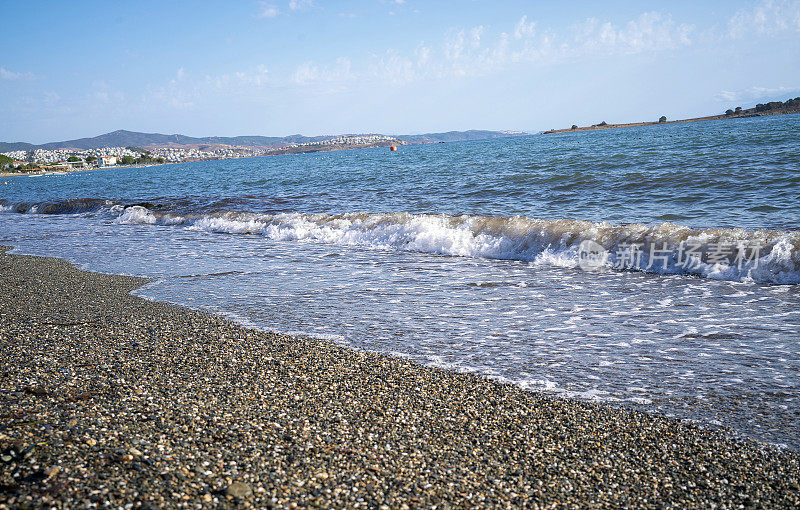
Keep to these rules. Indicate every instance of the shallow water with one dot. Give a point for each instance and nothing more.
(466, 255)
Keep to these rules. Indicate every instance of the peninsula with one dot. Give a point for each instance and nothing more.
(771, 108)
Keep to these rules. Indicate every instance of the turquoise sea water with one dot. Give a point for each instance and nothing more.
(473, 256)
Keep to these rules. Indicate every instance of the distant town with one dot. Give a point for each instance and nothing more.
(157, 149)
(81, 159)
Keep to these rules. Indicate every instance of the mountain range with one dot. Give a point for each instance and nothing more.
(122, 138)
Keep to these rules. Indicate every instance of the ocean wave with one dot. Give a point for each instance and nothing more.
(69, 206)
(734, 254)
(753, 256)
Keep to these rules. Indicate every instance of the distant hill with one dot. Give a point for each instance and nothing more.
(122, 138)
(457, 136)
(16, 146)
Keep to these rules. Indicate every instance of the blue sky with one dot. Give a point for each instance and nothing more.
(278, 67)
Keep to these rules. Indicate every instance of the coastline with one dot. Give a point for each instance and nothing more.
(70, 172)
(107, 397)
(274, 152)
(744, 114)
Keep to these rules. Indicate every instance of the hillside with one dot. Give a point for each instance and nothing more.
(122, 138)
(457, 136)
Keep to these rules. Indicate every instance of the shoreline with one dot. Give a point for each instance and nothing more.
(745, 114)
(77, 171)
(109, 398)
(274, 152)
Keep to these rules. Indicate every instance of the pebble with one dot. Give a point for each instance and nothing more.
(183, 409)
(239, 490)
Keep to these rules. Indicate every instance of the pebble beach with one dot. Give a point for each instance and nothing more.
(109, 400)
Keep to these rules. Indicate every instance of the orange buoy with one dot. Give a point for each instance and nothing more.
(393, 148)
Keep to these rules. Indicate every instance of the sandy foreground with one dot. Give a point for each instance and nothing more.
(108, 400)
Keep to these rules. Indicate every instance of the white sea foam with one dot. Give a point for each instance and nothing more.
(553, 243)
(541, 242)
(138, 215)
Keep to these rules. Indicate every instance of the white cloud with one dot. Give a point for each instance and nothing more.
(300, 4)
(51, 98)
(649, 32)
(305, 73)
(471, 51)
(755, 93)
(5, 74)
(104, 98)
(475, 36)
(179, 92)
(727, 96)
(309, 73)
(476, 51)
(768, 17)
(258, 77)
(267, 10)
(246, 82)
(395, 69)
(524, 28)
(423, 54)
(454, 45)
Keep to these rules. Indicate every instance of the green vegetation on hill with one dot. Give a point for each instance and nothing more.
(7, 165)
(145, 158)
(790, 104)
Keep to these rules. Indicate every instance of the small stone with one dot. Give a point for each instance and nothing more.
(91, 442)
(135, 452)
(239, 490)
(207, 498)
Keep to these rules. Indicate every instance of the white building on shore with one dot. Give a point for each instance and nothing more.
(106, 161)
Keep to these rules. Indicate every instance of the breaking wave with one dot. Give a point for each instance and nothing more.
(751, 256)
(760, 256)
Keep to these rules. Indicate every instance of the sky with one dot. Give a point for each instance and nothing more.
(279, 67)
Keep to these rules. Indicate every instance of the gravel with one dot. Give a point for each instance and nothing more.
(108, 400)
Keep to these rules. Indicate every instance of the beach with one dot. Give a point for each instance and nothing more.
(110, 399)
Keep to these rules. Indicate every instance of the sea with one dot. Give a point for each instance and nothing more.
(655, 268)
